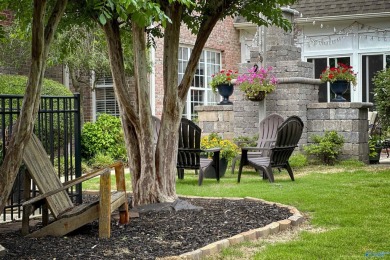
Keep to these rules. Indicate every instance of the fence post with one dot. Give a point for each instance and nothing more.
(77, 144)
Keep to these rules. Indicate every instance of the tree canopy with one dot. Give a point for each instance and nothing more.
(153, 166)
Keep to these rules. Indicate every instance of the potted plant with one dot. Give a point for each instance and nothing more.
(229, 150)
(221, 81)
(257, 83)
(340, 78)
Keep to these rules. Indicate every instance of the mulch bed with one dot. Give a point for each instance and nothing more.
(153, 234)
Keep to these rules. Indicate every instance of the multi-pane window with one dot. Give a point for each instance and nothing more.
(200, 91)
(105, 101)
(370, 65)
(324, 93)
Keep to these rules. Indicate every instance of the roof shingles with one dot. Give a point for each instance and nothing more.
(321, 8)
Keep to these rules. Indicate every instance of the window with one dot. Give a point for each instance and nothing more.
(200, 92)
(105, 101)
(324, 94)
(371, 64)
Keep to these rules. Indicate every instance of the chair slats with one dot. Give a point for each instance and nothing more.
(287, 138)
(53, 192)
(188, 156)
(44, 175)
(268, 128)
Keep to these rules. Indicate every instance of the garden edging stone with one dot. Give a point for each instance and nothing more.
(255, 234)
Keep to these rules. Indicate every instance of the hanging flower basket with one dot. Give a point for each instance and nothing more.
(257, 83)
(259, 97)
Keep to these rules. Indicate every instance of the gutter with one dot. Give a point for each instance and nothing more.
(342, 17)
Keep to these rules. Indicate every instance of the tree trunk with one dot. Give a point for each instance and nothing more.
(153, 173)
(41, 39)
(166, 155)
(136, 120)
(77, 88)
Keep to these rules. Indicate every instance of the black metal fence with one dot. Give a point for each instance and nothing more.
(58, 128)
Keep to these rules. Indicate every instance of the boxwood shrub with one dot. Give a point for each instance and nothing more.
(16, 85)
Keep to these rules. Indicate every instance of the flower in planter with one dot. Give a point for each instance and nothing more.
(229, 150)
(341, 72)
(257, 80)
(222, 77)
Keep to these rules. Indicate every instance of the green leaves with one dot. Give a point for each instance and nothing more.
(382, 97)
(105, 137)
(327, 148)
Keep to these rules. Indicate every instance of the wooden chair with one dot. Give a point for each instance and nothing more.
(267, 135)
(287, 138)
(53, 196)
(188, 156)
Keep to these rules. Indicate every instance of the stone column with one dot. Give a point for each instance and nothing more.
(218, 119)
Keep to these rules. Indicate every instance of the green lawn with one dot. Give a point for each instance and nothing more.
(348, 206)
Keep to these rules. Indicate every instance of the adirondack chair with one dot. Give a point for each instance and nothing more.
(53, 196)
(267, 135)
(287, 138)
(188, 156)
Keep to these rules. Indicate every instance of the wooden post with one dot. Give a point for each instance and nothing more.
(105, 205)
(121, 186)
(26, 209)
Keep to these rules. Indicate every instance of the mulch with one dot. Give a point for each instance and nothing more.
(155, 233)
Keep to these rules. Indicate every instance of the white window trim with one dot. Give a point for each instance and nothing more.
(206, 89)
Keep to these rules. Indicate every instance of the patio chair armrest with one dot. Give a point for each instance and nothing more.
(66, 186)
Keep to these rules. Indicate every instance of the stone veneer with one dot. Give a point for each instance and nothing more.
(349, 119)
(218, 119)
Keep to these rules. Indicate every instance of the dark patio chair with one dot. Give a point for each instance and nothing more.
(267, 136)
(287, 138)
(189, 152)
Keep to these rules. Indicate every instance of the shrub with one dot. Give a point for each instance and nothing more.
(298, 160)
(382, 96)
(105, 136)
(326, 148)
(101, 160)
(16, 85)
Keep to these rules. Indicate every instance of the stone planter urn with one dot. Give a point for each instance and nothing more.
(339, 87)
(225, 90)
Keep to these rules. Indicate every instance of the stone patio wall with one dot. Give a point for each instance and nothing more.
(348, 119)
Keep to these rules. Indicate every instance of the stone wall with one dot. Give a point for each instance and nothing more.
(218, 119)
(292, 97)
(348, 119)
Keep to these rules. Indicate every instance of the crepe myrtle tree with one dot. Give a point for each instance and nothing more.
(153, 169)
(45, 19)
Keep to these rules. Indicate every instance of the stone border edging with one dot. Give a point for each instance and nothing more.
(251, 235)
